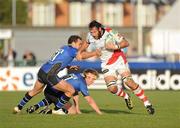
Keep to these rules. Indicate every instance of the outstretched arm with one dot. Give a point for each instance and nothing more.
(83, 54)
(84, 46)
(76, 103)
(93, 104)
(86, 55)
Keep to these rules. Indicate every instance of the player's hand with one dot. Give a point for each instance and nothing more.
(79, 112)
(84, 46)
(98, 52)
(74, 67)
(100, 113)
(79, 56)
(110, 46)
(120, 35)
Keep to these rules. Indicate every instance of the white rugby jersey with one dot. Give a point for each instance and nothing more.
(107, 56)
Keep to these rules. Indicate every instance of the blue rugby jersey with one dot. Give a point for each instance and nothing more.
(64, 56)
(76, 80)
(79, 83)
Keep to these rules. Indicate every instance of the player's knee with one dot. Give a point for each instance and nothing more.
(113, 90)
(112, 86)
(130, 82)
(71, 92)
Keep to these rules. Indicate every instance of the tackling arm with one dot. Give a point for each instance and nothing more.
(82, 54)
(82, 49)
(84, 46)
(86, 55)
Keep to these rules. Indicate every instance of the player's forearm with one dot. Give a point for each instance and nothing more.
(116, 46)
(78, 111)
(123, 44)
(77, 106)
(76, 103)
(86, 55)
(93, 104)
(84, 46)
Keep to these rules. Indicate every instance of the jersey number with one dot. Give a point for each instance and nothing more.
(70, 76)
(59, 51)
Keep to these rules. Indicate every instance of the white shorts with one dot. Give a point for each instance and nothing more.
(115, 69)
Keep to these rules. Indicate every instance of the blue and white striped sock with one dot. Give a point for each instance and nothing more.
(62, 101)
(24, 101)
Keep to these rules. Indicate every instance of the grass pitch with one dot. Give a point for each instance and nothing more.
(115, 113)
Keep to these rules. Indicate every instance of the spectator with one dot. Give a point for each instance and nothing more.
(29, 58)
(10, 57)
(1, 59)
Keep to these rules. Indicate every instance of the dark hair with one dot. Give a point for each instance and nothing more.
(96, 24)
(93, 71)
(73, 38)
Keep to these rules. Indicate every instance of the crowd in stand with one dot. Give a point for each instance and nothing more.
(29, 58)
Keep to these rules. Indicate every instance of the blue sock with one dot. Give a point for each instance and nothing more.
(62, 101)
(24, 101)
(42, 103)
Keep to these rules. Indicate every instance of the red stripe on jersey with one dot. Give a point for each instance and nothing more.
(108, 29)
(115, 56)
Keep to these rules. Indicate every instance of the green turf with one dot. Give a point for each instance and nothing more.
(116, 115)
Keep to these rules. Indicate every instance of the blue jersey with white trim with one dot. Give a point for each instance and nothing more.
(64, 56)
(77, 81)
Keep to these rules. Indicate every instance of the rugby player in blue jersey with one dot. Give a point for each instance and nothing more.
(79, 83)
(47, 74)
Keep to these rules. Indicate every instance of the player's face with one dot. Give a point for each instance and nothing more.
(95, 32)
(78, 44)
(90, 78)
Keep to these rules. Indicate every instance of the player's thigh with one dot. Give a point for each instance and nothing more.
(64, 86)
(123, 69)
(39, 84)
(109, 73)
(111, 80)
(51, 97)
(41, 81)
(115, 68)
(58, 83)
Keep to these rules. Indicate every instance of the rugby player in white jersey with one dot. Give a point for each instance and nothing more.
(114, 62)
